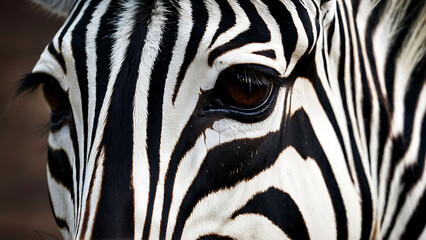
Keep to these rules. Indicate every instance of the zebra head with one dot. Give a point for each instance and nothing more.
(179, 119)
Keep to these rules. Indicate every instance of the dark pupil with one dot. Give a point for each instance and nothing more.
(246, 94)
(55, 97)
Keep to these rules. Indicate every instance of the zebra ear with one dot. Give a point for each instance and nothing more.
(58, 7)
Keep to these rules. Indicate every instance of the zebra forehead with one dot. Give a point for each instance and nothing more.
(276, 46)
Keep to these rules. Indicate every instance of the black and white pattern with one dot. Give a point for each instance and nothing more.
(237, 119)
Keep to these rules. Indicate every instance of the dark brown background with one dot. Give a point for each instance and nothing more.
(24, 205)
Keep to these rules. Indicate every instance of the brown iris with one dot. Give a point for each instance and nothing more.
(247, 95)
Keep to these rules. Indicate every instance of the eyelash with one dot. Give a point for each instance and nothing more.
(54, 95)
(261, 75)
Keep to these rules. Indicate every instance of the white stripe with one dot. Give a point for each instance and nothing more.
(140, 174)
(91, 35)
(305, 97)
(60, 196)
(242, 24)
(173, 122)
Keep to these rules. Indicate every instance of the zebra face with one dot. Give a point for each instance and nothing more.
(192, 119)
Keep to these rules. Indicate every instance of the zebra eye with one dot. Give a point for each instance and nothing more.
(243, 88)
(244, 92)
(58, 102)
(56, 97)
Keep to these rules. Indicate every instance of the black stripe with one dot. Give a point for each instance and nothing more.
(307, 67)
(281, 209)
(341, 63)
(330, 33)
(326, 105)
(214, 237)
(227, 19)
(288, 30)
(306, 21)
(60, 169)
(267, 53)
(302, 137)
(417, 222)
(399, 146)
(412, 102)
(352, 81)
(78, 46)
(324, 60)
(58, 56)
(115, 218)
(74, 138)
(104, 44)
(71, 20)
(257, 33)
(62, 224)
(155, 108)
(355, 7)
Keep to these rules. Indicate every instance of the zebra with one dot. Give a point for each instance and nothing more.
(236, 119)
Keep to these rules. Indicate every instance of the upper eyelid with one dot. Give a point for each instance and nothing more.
(269, 73)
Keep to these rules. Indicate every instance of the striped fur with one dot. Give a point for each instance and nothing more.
(143, 154)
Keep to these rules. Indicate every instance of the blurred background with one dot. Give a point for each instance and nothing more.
(24, 204)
